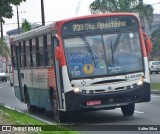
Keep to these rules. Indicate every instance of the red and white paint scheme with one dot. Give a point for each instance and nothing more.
(83, 63)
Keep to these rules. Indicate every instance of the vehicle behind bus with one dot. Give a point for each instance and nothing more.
(154, 66)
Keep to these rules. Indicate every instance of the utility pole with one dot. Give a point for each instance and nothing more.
(42, 13)
(1, 22)
(18, 20)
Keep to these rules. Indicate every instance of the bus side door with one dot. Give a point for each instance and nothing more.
(58, 76)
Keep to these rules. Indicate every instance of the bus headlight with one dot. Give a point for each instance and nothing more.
(140, 83)
(76, 90)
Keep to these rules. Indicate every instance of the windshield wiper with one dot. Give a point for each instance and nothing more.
(112, 53)
(114, 47)
(88, 48)
(116, 42)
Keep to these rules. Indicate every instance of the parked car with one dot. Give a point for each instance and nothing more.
(11, 79)
(154, 66)
(3, 76)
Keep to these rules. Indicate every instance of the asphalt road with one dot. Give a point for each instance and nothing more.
(145, 113)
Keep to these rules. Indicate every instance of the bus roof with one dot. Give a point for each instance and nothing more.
(34, 32)
(52, 26)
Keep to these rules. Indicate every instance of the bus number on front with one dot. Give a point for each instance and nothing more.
(78, 27)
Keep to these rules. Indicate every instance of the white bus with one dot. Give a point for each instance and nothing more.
(84, 63)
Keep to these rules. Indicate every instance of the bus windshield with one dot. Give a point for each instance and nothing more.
(103, 54)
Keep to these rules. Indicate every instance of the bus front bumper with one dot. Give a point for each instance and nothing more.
(80, 101)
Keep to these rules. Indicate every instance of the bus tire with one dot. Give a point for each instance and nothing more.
(128, 110)
(31, 109)
(59, 116)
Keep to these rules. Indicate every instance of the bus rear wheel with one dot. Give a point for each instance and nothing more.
(59, 116)
(128, 110)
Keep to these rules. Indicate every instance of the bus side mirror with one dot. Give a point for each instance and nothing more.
(148, 43)
(58, 53)
(58, 50)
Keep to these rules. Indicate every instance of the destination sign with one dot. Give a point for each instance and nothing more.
(95, 24)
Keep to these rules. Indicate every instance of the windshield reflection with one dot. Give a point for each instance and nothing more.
(99, 55)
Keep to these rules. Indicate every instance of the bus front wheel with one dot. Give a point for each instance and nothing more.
(128, 110)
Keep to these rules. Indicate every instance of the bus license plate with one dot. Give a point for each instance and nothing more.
(93, 103)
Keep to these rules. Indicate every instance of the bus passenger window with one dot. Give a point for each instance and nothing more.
(49, 50)
(13, 54)
(28, 61)
(19, 46)
(34, 52)
(24, 51)
(45, 49)
(22, 55)
(30, 48)
(40, 53)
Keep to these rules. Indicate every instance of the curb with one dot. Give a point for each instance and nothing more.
(31, 115)
(155, 92)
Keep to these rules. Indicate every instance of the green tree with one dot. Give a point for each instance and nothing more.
(6, 10)
(155, 37)
(133, 6)
(4, 49)
(26, 26)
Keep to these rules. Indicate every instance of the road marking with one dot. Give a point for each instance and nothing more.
(138, 112)
(12, 89)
